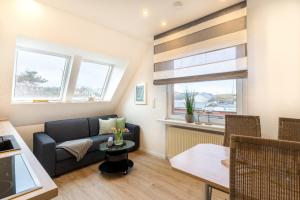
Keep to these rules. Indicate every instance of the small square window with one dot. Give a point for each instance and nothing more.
(92, 80)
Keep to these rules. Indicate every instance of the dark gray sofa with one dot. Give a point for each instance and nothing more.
(60, 161)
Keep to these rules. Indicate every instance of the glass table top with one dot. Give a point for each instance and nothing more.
(126, 145)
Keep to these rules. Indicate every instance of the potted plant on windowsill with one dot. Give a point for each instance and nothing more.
(190, 106)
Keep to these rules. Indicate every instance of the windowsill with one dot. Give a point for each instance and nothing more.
(57, 102)
(203, 126)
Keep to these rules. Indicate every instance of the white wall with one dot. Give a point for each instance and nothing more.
(26, 132)
(30, 19)
(152, 131)
(274, 74)
(273, 82)
(274, 61)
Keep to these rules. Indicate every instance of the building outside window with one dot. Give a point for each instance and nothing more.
(216, 97)
(213, 99)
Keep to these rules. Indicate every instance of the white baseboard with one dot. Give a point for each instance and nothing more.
(156, 154)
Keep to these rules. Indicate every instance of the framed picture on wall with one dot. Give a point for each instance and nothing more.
(140, 94)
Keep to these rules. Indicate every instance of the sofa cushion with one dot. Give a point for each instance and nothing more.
(64, 130)
(107, 125)
(121, 123)
(62, 154)
(94, 123)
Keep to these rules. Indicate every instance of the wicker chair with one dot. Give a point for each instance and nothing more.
(241, 125)
(289, 129)
(264, 169)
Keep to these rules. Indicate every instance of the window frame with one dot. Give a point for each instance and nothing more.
(107, 78)
(64, 80)
(241, 85)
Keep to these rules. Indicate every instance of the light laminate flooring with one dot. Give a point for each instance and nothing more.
(151, 178)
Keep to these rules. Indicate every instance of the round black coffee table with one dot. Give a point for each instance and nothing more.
(116, 158)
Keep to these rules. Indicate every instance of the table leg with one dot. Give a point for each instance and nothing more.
(208, 192)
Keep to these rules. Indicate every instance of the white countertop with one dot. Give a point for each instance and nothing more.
(49, 189)
(181, 123)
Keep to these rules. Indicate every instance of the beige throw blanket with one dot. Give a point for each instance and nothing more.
(77, 148)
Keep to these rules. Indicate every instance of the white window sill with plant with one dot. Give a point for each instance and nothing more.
(194, 125)
(187, 118)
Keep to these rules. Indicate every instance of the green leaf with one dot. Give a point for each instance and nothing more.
(189, 102)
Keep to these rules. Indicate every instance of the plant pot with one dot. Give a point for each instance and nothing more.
(189, 118)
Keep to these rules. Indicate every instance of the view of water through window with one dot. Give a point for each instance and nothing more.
(217, 97)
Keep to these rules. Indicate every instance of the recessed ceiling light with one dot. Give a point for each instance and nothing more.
(177, 4)
(163, 23)
(145, 13)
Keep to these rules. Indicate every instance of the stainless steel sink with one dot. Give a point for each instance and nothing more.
(5, 145)
(8, 143)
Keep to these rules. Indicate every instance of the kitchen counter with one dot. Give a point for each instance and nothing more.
(49, 189)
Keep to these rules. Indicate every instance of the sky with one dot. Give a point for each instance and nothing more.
(92, 75)
(52, 68)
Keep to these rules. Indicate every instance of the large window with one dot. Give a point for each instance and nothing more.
(39, 75)
(92, 80)
(44, 76)
(215, 98)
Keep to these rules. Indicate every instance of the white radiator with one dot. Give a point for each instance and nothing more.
(181, 139)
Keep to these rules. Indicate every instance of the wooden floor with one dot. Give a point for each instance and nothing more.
(150, 178)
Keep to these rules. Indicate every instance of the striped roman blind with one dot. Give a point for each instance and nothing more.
(210, 48)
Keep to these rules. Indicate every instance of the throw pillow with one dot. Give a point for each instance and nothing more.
(107, 125)
(120, 122)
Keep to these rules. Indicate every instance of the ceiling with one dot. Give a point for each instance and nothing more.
(126, 16)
